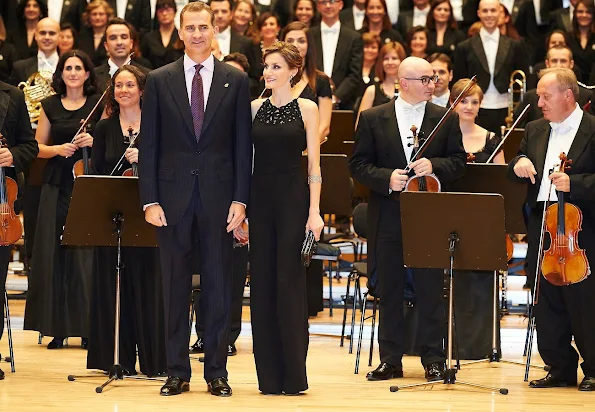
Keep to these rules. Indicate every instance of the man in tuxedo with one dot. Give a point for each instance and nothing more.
(557, 56)
(194, 169)
(409, 19)
(135, 12)
(492, 58)
(465, 12)
(380, 156)
(442, 66)
(46, 36)
(16, 158)
(353, 17)
(229, 40)
(339, 53)
(67, 11)
(119, 44)
(561, 312)
(561, 19)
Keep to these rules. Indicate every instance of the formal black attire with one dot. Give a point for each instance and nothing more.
(379, 96)
(59, 291)
(8, 56)
(346, 16)
(22, 69)
(138, 13)
(526, 25)
(72, 11)
(535, 112)
(347, 67)
(583, 58)
(103, 77)
(532, 76)
(18, 38)
(449, 44)
(195, 179)
(278, 213)
(560, 20)
(469, 14)
(386, 36)
(16, 129)
(323, 89)
(564, 311)
(377, 152)
(153, 50)
(86, 42)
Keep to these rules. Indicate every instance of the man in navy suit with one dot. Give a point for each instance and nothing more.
(195, 166)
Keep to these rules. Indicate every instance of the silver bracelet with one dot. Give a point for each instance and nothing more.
(314, 179)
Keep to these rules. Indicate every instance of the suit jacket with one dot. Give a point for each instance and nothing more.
(86, 43)
(469, 14)
(346, 17)
(405, 22)
(138, 13)
(582, 173)
(470, 59)
(560, 20)
(22, 69)
(452, 38)
(526, 25)
(103, 77)
(172, 161)
(347, 67)
(378, 151)
(16, 128)
(18, 38)
(535, 112)
(72, 11)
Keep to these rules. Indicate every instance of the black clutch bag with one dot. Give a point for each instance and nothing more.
(308, 248)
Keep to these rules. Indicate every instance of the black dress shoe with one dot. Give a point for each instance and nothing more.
(84, 343)
(385, 371)
(587, 385)
(198, 347)
(231, 350)
(56, 343)
(174, 386)
(435, 371)
(1, 374)
(550, 381)
(219, 387)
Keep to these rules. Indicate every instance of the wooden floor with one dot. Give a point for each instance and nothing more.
(40, 382)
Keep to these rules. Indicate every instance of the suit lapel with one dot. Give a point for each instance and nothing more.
(318, 41)
(219, 87)
(341, 48)
(542, 141)
(503, 47)
(480, 52)
(233, 42)
(580, 140)
(4, 103)
(566, 21)
(180, 93)
(391, 129)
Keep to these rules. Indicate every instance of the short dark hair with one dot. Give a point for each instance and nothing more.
(441, 57)
(557, 31)
(196, 7)
(238, 58)
(431, 23)
(112, 108)
(43, 10)
(161, 4)
(223, 1)
(90, 84)
(118, 21)
(559, 47)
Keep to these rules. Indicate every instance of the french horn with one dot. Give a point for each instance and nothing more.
(37, 87)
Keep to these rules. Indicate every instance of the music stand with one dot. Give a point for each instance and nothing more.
(110, 200)
(465, 240)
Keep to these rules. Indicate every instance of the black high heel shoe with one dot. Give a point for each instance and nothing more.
(56, 343)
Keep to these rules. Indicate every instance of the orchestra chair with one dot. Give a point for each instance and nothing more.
(9, 358)
(368, 296)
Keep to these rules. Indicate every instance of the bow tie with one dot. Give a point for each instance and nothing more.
(559, 128)
(360, 13)
(333, 30)
(414, 109)
(223, 36)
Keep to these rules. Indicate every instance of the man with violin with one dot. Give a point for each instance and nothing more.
(383, 150)
(565, 305)
(17, 151)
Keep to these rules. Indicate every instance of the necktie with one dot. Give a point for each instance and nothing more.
(197, 104)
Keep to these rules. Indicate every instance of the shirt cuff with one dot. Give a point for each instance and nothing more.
(239, 203)
(149, 204)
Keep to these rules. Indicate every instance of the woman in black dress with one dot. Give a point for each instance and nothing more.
(377, 22)
(417, 42)
(443, 35)
(92, 36)
(314, 84)
(244, 14)
(141, 314)
(161, 46)
(29, 12)
(582, 41)
(263, 35)
(283, 127)
(60, 279)
(474, 289)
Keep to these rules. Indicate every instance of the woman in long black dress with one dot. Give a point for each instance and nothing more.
(474, 289)
(60, 279)
(141, 315)
(279, 217)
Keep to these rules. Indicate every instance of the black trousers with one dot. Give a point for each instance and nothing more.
(4, 259)
(279, 312)
(429, 285)
(492, 119)
(175, 245)
(240, 267)
(565, 311)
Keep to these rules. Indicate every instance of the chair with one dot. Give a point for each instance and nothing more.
(9, 331)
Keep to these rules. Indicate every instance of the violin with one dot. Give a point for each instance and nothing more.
(427, 183)
(82, 166)
(564, 263)
(132, 142)
(11, 228)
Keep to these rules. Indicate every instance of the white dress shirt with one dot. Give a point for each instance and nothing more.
(47, 64)
(206, 73)
(330, 38)
(492, 98)
(420, 16)
(358, 17)
(121, 8)
(457, 9)
(561, 137)
(537, 6)
(224, 39)
(393, 11)
(441, 100)
(408, 115)
(113, 67)
(54, 9)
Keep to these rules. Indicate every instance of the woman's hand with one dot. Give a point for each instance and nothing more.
(241, 233)
(66, 149)
(83, 140)
(315, 224)
(131, 155)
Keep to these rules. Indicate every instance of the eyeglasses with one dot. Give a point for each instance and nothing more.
(327, 2)
(425, 80)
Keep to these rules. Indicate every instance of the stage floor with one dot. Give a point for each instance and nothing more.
(40, 381)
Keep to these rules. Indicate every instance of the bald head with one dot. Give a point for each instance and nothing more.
(46, 35)
(412, 65)
(411, 71)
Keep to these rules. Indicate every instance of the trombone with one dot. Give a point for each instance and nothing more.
(517, 87)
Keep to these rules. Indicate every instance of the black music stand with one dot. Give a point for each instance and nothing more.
(111, 201)
(465, 240)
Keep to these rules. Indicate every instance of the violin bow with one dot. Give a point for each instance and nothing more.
(132, 141)
(495, 152)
